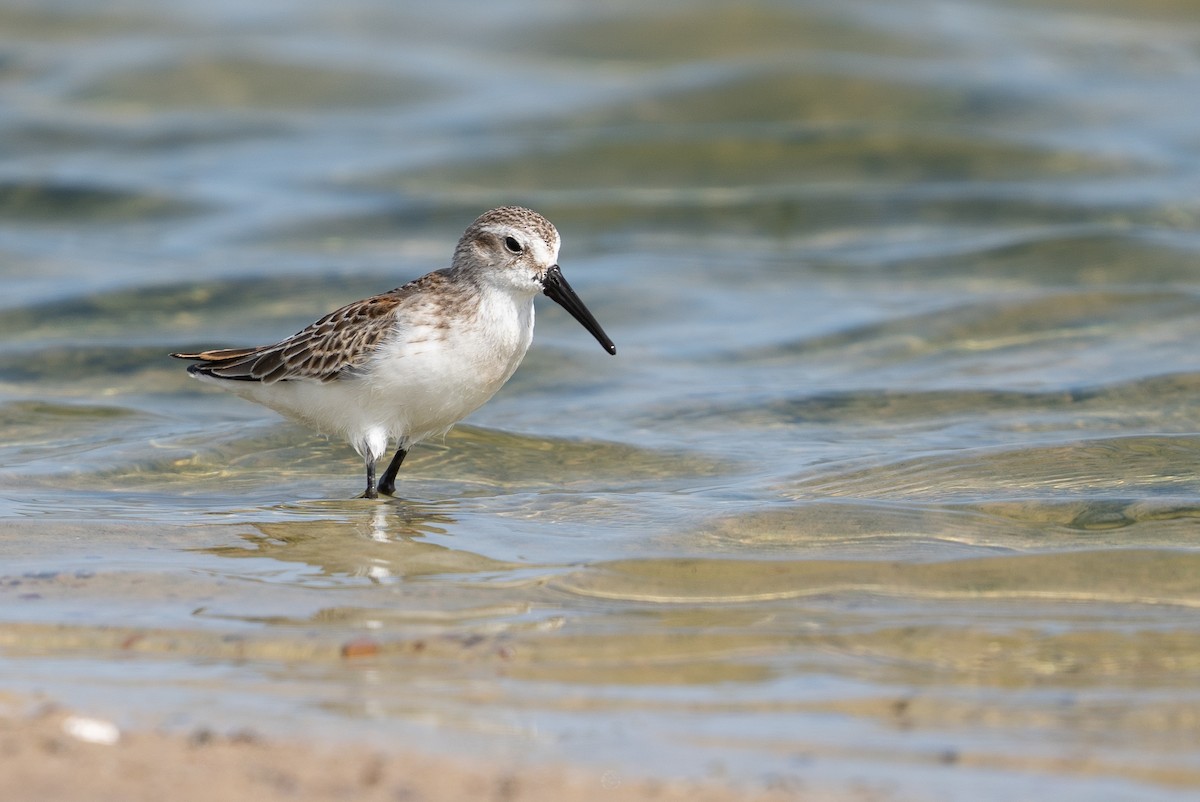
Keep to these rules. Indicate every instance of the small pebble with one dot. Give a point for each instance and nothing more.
(91, 730)
(361, 647)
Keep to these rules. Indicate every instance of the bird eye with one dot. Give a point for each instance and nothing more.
(512, 245)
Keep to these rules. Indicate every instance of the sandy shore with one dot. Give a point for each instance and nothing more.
(55, 754)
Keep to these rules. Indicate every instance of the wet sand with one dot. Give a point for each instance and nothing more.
(53, 753)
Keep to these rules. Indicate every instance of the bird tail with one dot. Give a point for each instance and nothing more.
(218, 354)
(241, 364)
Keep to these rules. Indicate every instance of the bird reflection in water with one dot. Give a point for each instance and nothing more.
(382, 543)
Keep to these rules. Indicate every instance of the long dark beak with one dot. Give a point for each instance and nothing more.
(558, 290)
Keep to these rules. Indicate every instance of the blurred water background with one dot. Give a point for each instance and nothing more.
(893, 484)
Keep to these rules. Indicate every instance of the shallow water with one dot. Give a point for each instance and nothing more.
(892, 485)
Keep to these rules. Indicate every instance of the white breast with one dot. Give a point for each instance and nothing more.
(427, 376)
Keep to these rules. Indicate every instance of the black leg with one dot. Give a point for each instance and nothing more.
(371, 491)
(387, 484)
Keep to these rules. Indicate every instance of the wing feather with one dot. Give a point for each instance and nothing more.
(340, 342)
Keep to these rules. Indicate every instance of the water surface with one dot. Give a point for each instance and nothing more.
(892, 484)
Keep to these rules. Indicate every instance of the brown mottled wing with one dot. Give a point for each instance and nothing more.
(341, 341)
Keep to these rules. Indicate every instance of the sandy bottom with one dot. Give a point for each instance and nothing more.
(53, 753)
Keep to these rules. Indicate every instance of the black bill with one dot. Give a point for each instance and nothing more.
(558, 290)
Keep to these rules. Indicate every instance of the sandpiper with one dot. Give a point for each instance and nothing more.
(408, 364)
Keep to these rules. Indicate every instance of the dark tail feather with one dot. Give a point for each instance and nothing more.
(219, 354)
(239, 364)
